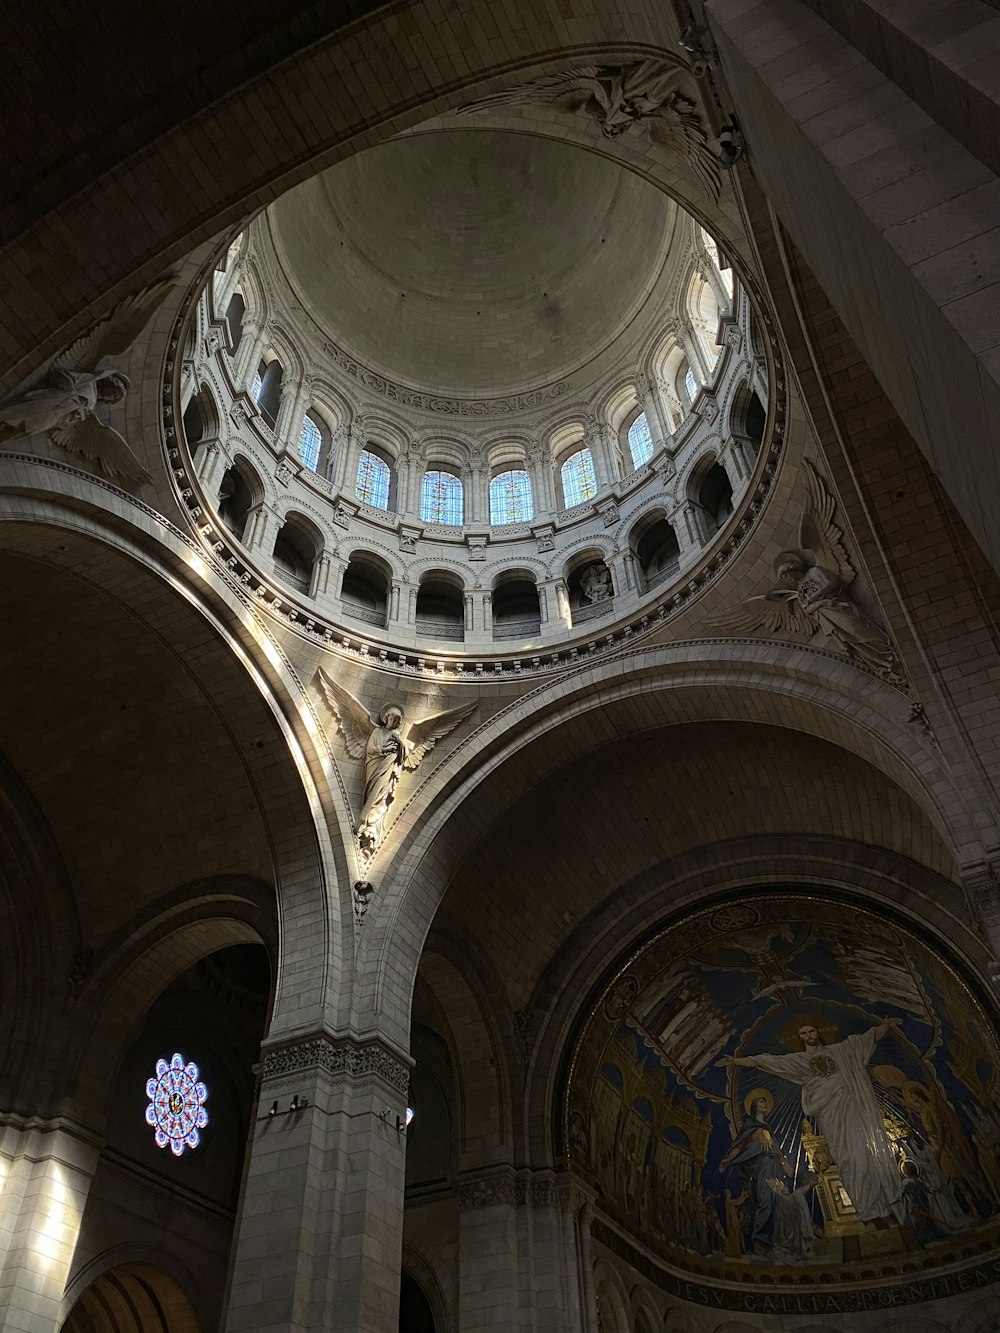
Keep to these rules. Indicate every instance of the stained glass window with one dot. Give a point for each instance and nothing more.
(579, 480)
(690, 385)
(310, 441)
(441, 499)
(640, 441)
(510, 497)
(176, 1110)
(373, 480)
(258, 380)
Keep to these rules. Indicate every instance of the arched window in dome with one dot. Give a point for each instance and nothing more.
(257, 383)
(372, 485)
(310, 443)
(510, 497)
(579, 480)
(690, 384)
(441, 499)
(640, 441)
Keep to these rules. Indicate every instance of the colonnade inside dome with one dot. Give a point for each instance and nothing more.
(498, 767)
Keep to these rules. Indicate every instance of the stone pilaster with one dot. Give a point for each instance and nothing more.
(320, 1232)
(523, 1256)
(46, 1167)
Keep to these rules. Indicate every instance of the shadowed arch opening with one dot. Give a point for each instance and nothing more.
(133, 1298)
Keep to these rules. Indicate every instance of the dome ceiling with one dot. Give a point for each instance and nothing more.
(473, 262)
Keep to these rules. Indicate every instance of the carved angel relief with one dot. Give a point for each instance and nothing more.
(813, 592)
(63, 404)
(388, 747)
(646, 94)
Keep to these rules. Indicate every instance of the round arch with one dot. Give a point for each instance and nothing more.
(801, 689)
(159, 583)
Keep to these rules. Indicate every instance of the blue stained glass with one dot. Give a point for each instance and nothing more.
(510, 497)
(441, 499)
(373, 480)
(691, 385)
(176, 1111)
(310, 441)
(579, 480)
(255, 387)
(640, 441)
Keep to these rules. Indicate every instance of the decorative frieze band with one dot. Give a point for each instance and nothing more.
(342, 1057)
(519, 1188)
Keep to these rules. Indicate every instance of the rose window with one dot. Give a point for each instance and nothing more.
(176, 1109)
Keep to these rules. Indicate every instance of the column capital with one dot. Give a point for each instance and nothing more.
(340, 1057)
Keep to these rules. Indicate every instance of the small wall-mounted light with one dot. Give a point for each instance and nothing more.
(402, 1125)
(274, 1110)
(295, 1103)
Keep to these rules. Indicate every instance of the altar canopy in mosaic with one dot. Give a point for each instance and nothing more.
(791, 1084)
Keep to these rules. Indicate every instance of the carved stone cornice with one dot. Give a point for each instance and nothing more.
(518, 1189)
(358, 1062)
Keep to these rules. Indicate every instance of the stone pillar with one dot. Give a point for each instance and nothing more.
(478, 505)
(251, 350)
(539, 468)
(656, 415)
(210, 466)
(288, 410)
(470, 608)
(255, 533)
(694, 354)
(320, 584)
(319, 1239)
(395, 600)
(687, 524)
(46, 1168)
(522, 1257)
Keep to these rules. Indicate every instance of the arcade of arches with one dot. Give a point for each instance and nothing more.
(500, 745)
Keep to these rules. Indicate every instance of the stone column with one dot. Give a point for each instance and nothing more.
(320, 584)
(251, 350)
(210, 466)
(694, 354)
(470, 609)
(656, 415)
(46, 1167)
(522, 1262)
(687, 524)
(319, 1240)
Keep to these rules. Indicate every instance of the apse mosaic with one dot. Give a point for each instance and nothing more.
(791, 1085)
(176, 1111)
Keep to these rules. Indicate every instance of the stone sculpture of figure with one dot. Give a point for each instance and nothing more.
(781, 1224)
(812, 591)
(595, 583)
(619, 98)
(387, 748)
(78, 381)
(838, 1095)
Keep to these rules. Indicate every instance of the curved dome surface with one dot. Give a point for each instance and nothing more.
(473, 262)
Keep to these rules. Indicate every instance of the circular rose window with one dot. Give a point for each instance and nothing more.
(176, 1109)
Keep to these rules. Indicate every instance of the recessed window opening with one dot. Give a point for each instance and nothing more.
(310, 443)
(578, 478)
(657, 550)
(364, 593)
(441, 499)
(510, 497)
(640, 440)
(374, 479)
(715, 495)
(516, 609)
(440, 611)
(294, 556)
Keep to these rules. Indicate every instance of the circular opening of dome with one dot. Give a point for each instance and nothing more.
(474, 392)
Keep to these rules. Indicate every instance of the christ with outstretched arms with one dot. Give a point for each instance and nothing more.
(838, 1096)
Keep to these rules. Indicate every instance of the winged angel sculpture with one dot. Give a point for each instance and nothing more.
(64, 403)
(387, 748)
(645, 94)
(812, 591)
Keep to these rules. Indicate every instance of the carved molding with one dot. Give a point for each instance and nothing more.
(518, 1189)
(358, 1061)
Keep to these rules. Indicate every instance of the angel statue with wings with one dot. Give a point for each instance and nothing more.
(387, 748)
(619, 98)
(78, 381)
(811, 593)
